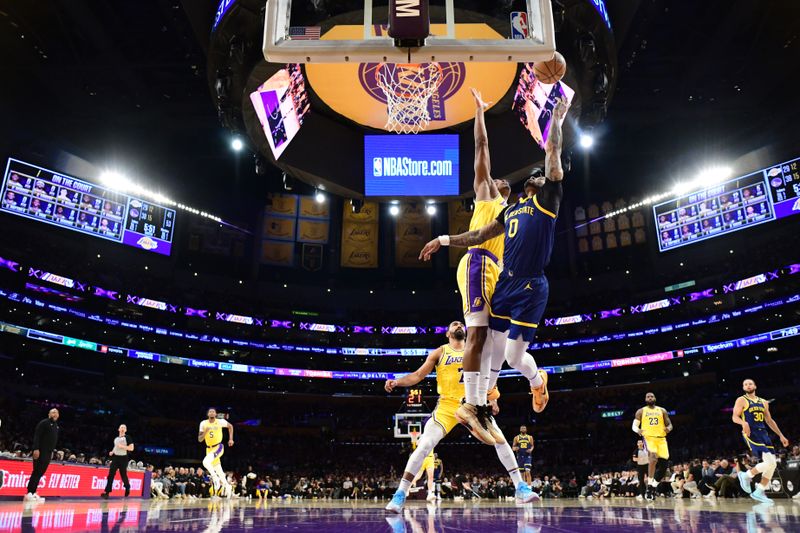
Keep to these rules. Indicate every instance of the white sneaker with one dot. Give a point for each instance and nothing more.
(796, 496)
(639, 497)
(30, 497)
(38, 498)
(431, 497)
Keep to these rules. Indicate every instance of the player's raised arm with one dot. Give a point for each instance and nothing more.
(469, 238)
(409, 380)
(736, 416)
(637, 422)
(667, 421)
(484, 186)
(774, 425)
(555, 141)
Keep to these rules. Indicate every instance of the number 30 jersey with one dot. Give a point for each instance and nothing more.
(753, 413)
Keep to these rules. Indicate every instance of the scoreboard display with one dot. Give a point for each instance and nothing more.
(750, 200)
(46, 196)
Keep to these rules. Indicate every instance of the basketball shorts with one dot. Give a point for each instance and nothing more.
(517, 306)
(759, 442)
(524, 460)
(445, 413)
(477, 276)
(215, 452)
(657, 445)
(428, 462)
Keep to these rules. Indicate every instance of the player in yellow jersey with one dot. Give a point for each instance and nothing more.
(477, 275)
(446, 361)
(653, 424)
(211, 433)
(426, 468)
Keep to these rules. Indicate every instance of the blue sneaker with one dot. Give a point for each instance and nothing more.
(524, 493)
(397, 503)
(397, 523)
(759, 496)
(744, 482)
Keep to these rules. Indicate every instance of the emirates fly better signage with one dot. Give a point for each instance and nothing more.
(68, 480)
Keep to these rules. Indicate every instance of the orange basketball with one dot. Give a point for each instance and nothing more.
(551, 71)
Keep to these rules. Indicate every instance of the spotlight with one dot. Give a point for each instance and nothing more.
(319, 196)
(356, 205)
(394, 210)
(288, 182)
(237, 144)
(586, 141)
(431, 209)
(115, 180)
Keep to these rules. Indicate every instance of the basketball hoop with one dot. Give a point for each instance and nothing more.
(408, 87)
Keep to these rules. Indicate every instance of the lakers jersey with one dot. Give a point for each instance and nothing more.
(524, 442)
(653, 422)
(214, 435)
(529, 236)
(485, 212)
(449, 382)
(753, 413)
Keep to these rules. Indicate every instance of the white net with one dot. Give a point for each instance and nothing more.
(408, 89)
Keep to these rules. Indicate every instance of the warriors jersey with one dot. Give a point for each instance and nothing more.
(449, 374)
(524, 442)
(485, 212)
(653, 422)
(214, 436)
(753, 414)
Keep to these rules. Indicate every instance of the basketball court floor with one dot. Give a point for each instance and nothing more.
(620, 514)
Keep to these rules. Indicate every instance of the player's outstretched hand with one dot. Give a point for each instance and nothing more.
(430, 249)
(390, 385)
(561, 108)
(478, 99)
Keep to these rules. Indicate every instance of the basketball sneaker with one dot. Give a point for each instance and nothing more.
(759, 496)
(524, 494)
(397, 502)
(431, 496)
(472, 418)
(540, 394)
(491, 426)
(744, 482)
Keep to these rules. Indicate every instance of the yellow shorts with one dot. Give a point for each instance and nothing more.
(445, 413)
(477, 275)
(657, 445)
(214, 453)
(428, 462)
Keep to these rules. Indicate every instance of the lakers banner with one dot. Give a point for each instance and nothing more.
(279, 228)
(410, 237)
(368, 213)
(277, 253)
(310, 208)
(315, 231)
(353, 89)
(458, 217)
(284, 205)
(359, 244)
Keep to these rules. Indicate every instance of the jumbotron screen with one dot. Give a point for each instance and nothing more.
(763, 196)
(54, 198)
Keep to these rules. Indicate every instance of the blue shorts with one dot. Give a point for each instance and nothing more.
(759, 442)
(518, 304)
(524, 460)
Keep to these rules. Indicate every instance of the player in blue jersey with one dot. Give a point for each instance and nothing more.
(520, 298)
(752, 413)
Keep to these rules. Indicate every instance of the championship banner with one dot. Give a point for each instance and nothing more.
(359, 243)
(313, 231)
(277, 253)
(458, 217)
(310, 208)
(68, 480)
(284, 205)
(412, 232)
(279, 228)
(368, 213)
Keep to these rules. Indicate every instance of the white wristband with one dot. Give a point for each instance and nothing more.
(444, 240)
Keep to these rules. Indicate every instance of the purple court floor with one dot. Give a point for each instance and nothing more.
(619, 515)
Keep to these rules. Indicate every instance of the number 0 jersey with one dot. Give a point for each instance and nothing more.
(653, 422)
(449, 382)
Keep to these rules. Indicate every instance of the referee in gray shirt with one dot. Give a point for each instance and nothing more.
(119, 461)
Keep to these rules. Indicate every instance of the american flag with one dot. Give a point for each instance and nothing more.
(305, 33)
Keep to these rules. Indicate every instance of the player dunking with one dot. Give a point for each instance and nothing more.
(211, 433)
(520, 297)
(752, 413)
(523, 445)
(447, 361)
(653, 424)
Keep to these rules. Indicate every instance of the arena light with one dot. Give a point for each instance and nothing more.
(320, 197)
(237, 145)
(431, 209)
(586, 141)
(394, 210)
(115, 180)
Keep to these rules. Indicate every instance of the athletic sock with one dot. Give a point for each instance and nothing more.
(471, 383)
(483, 388)
(506, 456)
(405, 485)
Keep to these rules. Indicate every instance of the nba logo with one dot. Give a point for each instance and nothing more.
(519, 25)
(377, 167)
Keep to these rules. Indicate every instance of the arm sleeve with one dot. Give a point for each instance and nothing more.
(501, 218)
(549, 197)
